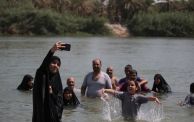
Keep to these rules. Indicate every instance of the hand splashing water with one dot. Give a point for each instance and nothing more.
(106, 109)
(151, 112)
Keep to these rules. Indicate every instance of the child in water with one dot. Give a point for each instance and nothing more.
(69, 98)
(131, 101)
(189, 100)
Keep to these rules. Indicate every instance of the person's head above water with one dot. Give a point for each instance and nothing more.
(26, 83)
(158, 79)
(54, 64)
(97, 64)
(132, 87)
(71, 82)
(128, 69)
(109, 71)
(192, 88)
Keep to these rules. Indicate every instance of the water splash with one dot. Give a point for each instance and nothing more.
(106, 110)
(111, 108)
(151, 112)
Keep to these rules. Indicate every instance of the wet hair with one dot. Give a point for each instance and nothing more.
(163, 85)
(136, 84)
(128, 66)
(192, 88)
(159, 76)
(133, 71)
(67, 90)
(55, 58)
(73, 101)
(24, 84)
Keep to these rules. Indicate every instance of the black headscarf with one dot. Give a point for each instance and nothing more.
(47, 107)
(55, 58)
(71, 102)
(162, 87)
(24, 84)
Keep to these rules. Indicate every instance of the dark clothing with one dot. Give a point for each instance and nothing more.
(162, 87)
(130, 104)
(71, 102)
(123, 84)
(124, 80)
(189, 100)
(24, 86)
(47, 107)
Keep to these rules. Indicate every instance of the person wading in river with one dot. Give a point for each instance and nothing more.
(48, 89)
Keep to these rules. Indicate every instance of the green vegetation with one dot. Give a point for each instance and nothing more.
(88, 17)
(173, 24)
(143, 18)
(22, 18)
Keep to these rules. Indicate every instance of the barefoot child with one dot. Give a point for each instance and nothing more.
(131, 101)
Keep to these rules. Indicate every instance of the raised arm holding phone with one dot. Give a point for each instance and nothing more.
(48, 89)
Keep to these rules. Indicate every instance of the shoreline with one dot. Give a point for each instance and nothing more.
(118, 30)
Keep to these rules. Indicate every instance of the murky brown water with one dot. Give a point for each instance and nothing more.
(172, 57)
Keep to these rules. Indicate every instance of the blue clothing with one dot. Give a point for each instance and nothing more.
(189, 100)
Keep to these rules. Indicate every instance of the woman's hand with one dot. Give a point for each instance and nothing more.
(57, 46)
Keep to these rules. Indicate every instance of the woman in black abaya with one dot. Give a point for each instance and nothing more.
(48, 90)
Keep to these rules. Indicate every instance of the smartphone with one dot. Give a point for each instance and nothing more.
(67, 47)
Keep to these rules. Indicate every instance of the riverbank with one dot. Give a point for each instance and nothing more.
(118, 30)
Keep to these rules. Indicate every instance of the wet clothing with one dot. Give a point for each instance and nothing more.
(162, 87)
(24, 86)
(124, 80)
(47, 107)
(189, 100)
(71, 102)
(123, 84)
(94, 87)
(130, 104)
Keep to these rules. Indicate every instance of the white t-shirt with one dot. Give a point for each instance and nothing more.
(94, 87)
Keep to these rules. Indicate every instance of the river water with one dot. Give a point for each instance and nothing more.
(172, 57)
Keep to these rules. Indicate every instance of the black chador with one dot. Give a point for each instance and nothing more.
(47, 107)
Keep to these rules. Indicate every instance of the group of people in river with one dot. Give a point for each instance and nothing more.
(49, 97)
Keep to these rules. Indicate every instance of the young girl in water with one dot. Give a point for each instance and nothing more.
(189, 100)
(131, 101)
